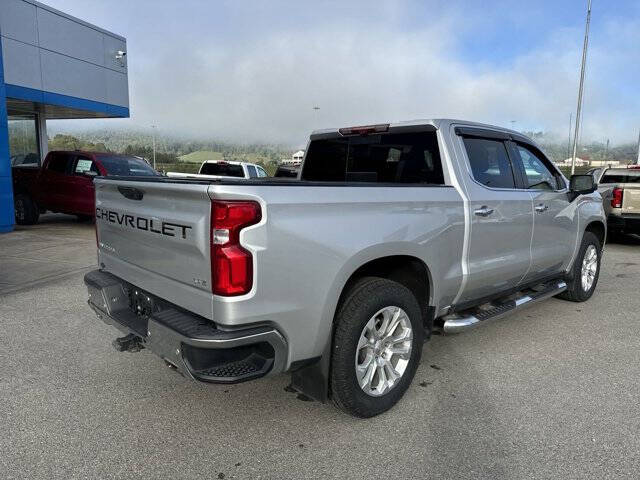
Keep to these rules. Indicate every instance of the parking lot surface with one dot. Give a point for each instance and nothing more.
(550, 392)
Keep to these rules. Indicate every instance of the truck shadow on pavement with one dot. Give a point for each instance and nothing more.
(259, 429)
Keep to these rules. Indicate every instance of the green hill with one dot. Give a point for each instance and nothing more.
(200, 156)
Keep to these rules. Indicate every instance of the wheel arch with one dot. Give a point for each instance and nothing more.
(312, 378)
(599, 229)
(408, 270)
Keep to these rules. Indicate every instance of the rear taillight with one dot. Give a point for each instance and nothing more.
(616, 198)
(231, 265)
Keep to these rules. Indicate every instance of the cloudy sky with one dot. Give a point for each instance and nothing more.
(254, 70)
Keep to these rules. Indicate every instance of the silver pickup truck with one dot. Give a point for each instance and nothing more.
(339, 276)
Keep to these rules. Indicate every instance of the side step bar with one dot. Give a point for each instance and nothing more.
(459, 322)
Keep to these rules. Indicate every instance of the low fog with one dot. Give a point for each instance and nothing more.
(255, 74)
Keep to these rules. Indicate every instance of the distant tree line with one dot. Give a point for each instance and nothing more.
(69, 142)
(559, 151)
(169, 148)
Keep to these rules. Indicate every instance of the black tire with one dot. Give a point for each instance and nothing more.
(363, 300)
(26, 210)
(84, 218)
(575, 291)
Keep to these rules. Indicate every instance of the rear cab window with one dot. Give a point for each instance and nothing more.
(126, 166)
(404, 158)
(621, 177)
(222, 169)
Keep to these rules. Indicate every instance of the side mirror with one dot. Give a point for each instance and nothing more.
(90, 174)
(582, 184)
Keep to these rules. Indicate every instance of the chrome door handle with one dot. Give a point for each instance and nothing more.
(541, 208)
(483, 211)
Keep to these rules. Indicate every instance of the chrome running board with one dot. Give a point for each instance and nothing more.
(459, 322)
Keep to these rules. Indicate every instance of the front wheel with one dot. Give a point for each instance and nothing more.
(377, 346)
(583, 277)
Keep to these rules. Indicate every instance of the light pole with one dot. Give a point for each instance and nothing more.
(580, 90)
(153, 128)
(317, 110)
(569, 142)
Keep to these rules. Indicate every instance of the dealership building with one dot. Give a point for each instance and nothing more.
(52, 66)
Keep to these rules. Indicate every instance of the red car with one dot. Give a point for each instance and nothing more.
(65, 182)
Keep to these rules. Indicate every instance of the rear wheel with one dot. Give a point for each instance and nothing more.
(583, 278)
(377, 346)
(26, 210)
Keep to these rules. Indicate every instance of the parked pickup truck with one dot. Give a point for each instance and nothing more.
(620, 190)
(212, 169)
(65, 182)
(340, 276)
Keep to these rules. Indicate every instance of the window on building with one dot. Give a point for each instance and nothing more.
(23, 140)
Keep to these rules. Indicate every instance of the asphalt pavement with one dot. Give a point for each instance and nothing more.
(550, 392)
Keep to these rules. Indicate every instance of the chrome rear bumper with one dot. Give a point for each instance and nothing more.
(195, 346)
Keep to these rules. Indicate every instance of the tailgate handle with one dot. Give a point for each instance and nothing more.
(131, 193)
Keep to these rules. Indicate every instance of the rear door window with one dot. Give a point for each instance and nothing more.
(252, 171)
(60, 163)
(489, 162)
(222, 169)
(125, 166)
(383, 158)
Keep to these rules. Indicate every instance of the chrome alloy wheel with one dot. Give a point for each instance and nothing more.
(589, 267)
(383, 351)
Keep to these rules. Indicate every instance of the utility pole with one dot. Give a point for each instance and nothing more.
(638, 160)
(606, 152)
(580, 90)
(153, 127)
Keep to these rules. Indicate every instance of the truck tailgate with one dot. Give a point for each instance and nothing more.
(631, 198)
(154, 235)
